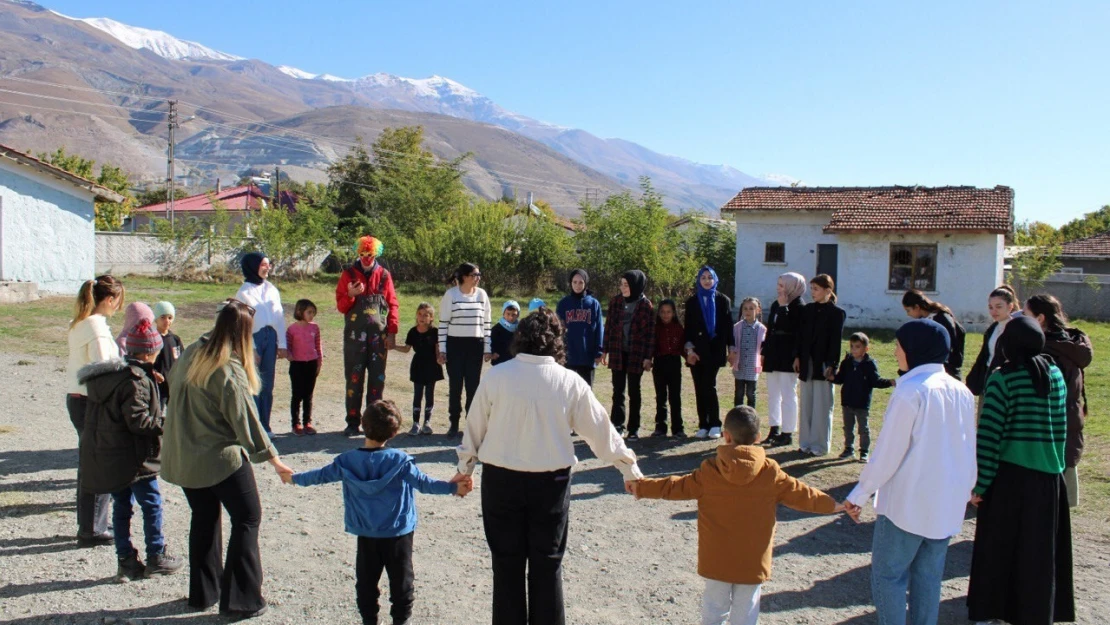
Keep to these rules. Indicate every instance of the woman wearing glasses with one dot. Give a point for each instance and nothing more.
(268, 327)
(368, 303)
(464, 327)
(207, 449)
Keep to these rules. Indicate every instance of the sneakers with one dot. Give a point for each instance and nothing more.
(714, 432)
(415, 431)
(95, 540)
(702, 433)
(785, 439)
(619, 428)
(308, 429)
(298, 430)
(863, 456)
(163, 564)
(427, 429)
(351, 430)
(632, 436)
(129, 568)
(659, 432)
(848, 453)
(772, 434)
(678, 434)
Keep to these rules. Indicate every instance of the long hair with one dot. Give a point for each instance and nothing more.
(1007, 294)
(825, 281)
(460, 272)
(93, 292)
(674, 311)
(1049, 306)
(230, 338)
(913, 297)
(540, 334)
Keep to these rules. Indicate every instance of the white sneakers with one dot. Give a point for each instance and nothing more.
(715, 433)
(702, 433)
(710, 433)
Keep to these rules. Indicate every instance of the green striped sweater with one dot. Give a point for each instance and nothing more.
(1018, 427)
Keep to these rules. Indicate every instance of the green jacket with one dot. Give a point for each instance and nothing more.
(208, 429)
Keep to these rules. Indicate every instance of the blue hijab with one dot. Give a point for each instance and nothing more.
(511, 327)
(924, 342)
(707, 299)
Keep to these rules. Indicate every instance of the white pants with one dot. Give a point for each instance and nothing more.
(730, 604)
(782, 400)
(815, 433)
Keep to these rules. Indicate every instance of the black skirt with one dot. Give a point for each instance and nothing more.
(1021, 564)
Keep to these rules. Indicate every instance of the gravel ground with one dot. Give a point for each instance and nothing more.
(627, 561)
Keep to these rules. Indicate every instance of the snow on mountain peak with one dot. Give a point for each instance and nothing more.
(161, 43)
(296, 73)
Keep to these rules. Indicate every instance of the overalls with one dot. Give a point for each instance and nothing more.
(364, 352)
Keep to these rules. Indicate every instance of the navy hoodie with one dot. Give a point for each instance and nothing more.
(581, 316)
(859, 379)
(378, 485)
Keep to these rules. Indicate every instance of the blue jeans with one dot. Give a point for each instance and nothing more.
(265, 346)
(148, 495)
(902, 561)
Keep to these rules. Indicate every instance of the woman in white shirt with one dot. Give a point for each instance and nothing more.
(520, 429)
(464, 327)
(269, 327)
(91, 341)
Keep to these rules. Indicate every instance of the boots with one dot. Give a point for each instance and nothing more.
(130, 568)
(163, 564)
(773, 435)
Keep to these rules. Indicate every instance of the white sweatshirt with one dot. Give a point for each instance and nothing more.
(266, 301)
(464, 316)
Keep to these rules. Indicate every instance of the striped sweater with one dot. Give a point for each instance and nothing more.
(1018, 427)
(464, 316)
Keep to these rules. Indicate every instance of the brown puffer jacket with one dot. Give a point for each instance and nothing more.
(122, 439)
(1073, 352)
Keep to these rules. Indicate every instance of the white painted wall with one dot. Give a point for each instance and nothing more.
(969, 266)
(46, 230)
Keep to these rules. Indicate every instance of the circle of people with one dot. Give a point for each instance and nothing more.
(1013, 455)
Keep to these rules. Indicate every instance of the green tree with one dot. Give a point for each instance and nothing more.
(1088, 225)
(157, 195)
(540, 247)
(1041, 258)
(295, 242)
(108, 215)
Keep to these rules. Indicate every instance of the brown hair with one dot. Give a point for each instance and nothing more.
(1049, 306)
(301, 307)
(92, 292)
(463, 270)
(1006, 293)
(381, 421)
(914, 298)
(861, 338)
(825, 281)
(425, 306)
(231, 337)
(742, 424)
(758, 306)
(540, 334)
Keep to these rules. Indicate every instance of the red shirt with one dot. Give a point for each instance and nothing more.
(379, 281)
(669, 339)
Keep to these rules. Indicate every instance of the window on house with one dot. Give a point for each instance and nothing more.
(774, 253)
(913, 267)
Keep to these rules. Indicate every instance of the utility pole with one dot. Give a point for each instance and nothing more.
(169, 164)
(277, 187)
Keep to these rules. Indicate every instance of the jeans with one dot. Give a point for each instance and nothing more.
(745, 390)
(730, 604)
(901, 562)
(149, 497)
(782, 399)
(856, 417)
(265, 346)
(394, 556)
(622, 379)
(92, 509)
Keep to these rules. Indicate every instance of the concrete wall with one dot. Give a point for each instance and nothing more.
(126, 253)
(1088, 265)
(969, 266)
(46, 230)
(1079, 298)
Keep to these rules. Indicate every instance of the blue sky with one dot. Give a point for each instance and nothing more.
(833, 93)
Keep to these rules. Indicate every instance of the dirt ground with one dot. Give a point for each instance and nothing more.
(627, 561)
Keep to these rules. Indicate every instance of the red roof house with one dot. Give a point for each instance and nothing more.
(238, 201)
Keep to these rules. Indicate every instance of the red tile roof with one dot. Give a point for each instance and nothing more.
(246, 197)
(1095, 246)
(870, 209)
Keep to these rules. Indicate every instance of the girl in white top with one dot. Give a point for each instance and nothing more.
(269, 327)
(464, 327)
(91, 341)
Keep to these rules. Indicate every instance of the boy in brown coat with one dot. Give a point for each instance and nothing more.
(738, 493)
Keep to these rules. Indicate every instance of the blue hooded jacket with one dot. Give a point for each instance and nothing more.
(378, 487)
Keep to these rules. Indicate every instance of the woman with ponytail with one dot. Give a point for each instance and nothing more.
(91, 341)
(816, 359)
(919, 306)
(1002, 305)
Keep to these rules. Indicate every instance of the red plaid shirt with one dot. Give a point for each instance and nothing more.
(641, 335)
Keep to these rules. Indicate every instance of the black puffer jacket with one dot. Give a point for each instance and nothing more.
(782, 336)
(122, 440)
(819, 338)
(1073, 352)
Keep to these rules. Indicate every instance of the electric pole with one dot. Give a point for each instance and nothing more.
(277, 187)
(169, 164)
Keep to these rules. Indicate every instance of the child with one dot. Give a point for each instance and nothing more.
(424, 370)
(164, 314)
(628, 348)
(783, 321)
(132, 315)
(306, 358)
(666, 369)
(380, 509)
(580, 313)
(737, 493)
(535, 304)
(860, 375)
(815, 361)
(121, 448)
(748, 335)
(709, 346)
(501, 336)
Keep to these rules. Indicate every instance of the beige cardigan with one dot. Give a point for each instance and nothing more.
(89, 341)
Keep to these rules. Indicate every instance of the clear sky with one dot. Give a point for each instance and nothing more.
(833, 93)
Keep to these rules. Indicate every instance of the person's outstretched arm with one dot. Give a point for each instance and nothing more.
(890, 449)
(675, 487)
(425, 484)
(795, 494)
(591, 421)
(323, 475)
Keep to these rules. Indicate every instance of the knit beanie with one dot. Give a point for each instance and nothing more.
(143, 339)
(164, 308)
(535, 304)
(134, 314)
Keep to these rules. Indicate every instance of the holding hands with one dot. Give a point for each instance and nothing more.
(632, 488)
(851, 510)
(465, 482)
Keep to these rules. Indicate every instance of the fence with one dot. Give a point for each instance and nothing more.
(127, 253)
(1083, 296)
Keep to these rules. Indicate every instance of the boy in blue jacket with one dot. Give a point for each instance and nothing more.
(859, 375)
(380, 509)
(580, 314)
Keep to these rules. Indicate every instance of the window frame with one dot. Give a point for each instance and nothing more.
(767, 252)
(915, 269)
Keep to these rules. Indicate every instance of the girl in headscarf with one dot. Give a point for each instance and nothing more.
(269, 327)
(709, 345)
(816, 360)
(1021, 567)
(783, 320)
(629, 347)
(580, 314)
(501, 336)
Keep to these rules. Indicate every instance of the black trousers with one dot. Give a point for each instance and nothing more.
(705, 396)
(621, 380)
(427, 393)
(92, 509)
(302, 379)
(745, 390)
(586, 373)
(666, 373)
(237, 583)
(394, 555)
(525, 517)
(464, 368)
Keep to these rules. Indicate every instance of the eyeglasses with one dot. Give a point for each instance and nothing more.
(476, 274)
(231, 301)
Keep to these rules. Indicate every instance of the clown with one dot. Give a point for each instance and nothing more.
(368, 303)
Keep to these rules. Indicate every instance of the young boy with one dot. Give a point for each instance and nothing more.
(172, 347)
(380, 509)
(121, 448)
(737, 495)
(859, 374)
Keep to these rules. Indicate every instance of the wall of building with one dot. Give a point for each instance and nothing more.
(1088, 265)
(969, 266)
(126, 253)
(46, 231)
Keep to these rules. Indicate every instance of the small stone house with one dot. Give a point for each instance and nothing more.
(1087, 256)
(876, 242)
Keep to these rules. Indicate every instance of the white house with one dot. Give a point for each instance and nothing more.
(876, 242)
(47, 235)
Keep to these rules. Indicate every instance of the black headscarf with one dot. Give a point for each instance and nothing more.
(1022, 345)
(636, 283)
(250, 264)
(585, 278)
(924, 342)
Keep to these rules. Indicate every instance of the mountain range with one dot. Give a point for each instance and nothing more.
(100, 88)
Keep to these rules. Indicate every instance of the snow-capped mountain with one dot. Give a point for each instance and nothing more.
(300, 74)
(161, 43)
